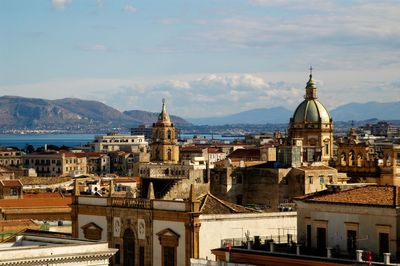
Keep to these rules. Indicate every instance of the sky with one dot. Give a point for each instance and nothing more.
(206, 58)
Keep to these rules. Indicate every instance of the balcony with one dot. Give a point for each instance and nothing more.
(131, 203)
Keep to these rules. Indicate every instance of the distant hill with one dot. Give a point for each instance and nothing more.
(32, 113)
(148, 118)
(254, 116)
(347, 112)
(365, 111)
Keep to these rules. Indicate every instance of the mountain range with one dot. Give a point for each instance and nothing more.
(72, 113)
(347, 112)
(31, 113)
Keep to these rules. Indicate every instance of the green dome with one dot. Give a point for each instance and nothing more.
(311, 111)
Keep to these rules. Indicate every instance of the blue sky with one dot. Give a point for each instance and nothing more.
(209, 57)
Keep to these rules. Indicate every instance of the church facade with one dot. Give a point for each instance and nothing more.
(311, 128)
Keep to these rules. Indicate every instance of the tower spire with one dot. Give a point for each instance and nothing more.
(311, 88)
(164, 117)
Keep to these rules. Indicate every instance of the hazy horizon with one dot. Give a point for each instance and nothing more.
(207, 58)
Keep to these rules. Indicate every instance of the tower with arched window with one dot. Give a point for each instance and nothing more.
(164, 146)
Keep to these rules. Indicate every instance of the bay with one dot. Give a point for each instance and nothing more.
(20, 141)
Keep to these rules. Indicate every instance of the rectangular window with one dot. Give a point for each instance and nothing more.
(321, 179)
(351, 241)
(308, 235)
(14, 192)
(168, 256)
(310, 179)
(383, 243)
(326, 149)
(141, 256)
(117, 256)
(321, 240)
(239, 199)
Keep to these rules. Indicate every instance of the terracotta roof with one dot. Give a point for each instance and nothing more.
(214, 150)
(209, 204)
(191, 149)
(20, 222)
(35, 202)
(27, 180)
(11, 183)
(43, 195)
(5, 149)
(248, 154)
(368, 195)
(126, 179)
(92, 154)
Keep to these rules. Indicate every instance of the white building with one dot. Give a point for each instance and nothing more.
(224, 222)
(40, 248)
(170, 232)
(363, 218)
(116, 142)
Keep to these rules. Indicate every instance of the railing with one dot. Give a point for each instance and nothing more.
(262, 240)
(130, 203)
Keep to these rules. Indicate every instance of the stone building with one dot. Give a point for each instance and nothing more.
(170, 177)
(270, 186)
(55, 163)
(364, 218)
(117, 142)
(168, 232)
(10, 189)
(311, 128)
(97, 163)
(164, 147)
(299, 167)
(10, 157)
(363, 163)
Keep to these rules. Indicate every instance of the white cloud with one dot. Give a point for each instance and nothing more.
(130, 9)
(333, 34)
(60, 4)
(98, 47)
(221, 94)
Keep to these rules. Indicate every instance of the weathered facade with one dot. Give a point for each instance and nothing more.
(311, 127)
(164, 147)
(146, 231)
(362, 162)
(268, 185)
(364, 218)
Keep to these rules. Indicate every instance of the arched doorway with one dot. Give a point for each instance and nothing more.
(129, 248)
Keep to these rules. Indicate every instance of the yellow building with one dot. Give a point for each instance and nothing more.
(311, 127)
(164, 147)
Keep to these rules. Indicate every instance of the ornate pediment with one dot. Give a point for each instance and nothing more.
(168, 238)
(92, 231)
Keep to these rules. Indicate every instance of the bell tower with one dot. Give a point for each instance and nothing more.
(164, 146)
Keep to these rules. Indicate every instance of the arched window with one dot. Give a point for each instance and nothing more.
(169, 135)
(388, 160)
(352, 158)
(343, 159)
(129, 248)
(169, 155)
(360, 160)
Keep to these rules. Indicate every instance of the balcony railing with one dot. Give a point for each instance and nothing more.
(130, 203)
